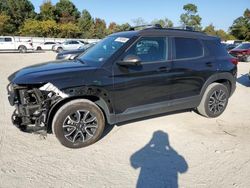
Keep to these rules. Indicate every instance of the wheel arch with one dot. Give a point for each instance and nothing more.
(100, 102)
(224, 78)
(21, 45)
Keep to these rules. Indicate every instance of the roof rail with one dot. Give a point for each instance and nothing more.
(158, 26)
(185, 27)
(146, 26)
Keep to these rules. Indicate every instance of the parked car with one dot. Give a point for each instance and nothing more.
(127, 75)
(45, 45)
(229, 46)
(236, 42)
(69, 45)
(242, 52)
(72, 54)
(10, 44)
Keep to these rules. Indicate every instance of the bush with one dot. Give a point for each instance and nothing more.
(49, 28)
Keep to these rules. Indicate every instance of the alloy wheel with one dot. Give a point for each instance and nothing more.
(80, 126)
(217, 101)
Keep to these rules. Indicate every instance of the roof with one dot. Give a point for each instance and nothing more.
(164, 31)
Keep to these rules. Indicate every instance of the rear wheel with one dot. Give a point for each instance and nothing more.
(22, 49)
(39, 48)
(78, 123)
(214, 100)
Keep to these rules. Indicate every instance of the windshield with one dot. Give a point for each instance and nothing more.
(87, 46)
(103, 50)
(243, 46)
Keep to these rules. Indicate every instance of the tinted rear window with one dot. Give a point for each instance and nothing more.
(8, 40)
(243, 46)
(215, 48)
(49, 43)
(188, 48)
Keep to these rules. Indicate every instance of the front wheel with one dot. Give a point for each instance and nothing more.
(78, 123)
(214, 100)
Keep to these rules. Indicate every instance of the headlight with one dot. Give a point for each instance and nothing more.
(10, 88)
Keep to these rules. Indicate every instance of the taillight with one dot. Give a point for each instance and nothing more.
(234, 61)
(244, 52)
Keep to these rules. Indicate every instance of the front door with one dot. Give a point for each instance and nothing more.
(148, 83)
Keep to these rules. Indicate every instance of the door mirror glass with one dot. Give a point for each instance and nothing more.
(130, 60)
(72, 57)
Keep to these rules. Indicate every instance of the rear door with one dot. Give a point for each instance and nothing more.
(192, 65)
(147, 83)
(47, 46)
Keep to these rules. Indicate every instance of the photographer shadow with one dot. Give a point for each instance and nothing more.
(159, 163)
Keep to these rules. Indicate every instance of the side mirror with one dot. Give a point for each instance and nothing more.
(130, 60)
(72, 57)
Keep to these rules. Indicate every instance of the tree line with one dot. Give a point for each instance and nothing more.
(64, 20)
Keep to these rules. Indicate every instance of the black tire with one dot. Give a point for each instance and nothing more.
(22, 49)
(214, 100)
(59, 49)
(39, 48)
(74, 132)
(247, 59)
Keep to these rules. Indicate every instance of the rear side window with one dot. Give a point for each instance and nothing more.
(186, 48)
(48, 43)
(215, 48)
(7, 39)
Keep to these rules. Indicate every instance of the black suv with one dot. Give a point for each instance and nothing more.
(125, 76)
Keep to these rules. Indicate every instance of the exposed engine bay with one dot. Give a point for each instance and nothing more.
(32, 105)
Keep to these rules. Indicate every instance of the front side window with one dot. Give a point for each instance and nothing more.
(186, 48)
(150, 49)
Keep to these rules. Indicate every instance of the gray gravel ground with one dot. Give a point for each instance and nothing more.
(182, 149)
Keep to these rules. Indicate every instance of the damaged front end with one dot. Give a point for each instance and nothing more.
(32, 105)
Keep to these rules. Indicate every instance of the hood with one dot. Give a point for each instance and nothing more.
(238, 50)
(71, 52)
(56, 72)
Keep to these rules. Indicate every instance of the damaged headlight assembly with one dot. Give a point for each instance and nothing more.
(32, 105)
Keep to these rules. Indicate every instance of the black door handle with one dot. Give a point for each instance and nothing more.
(164, 69)
(209, 64)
